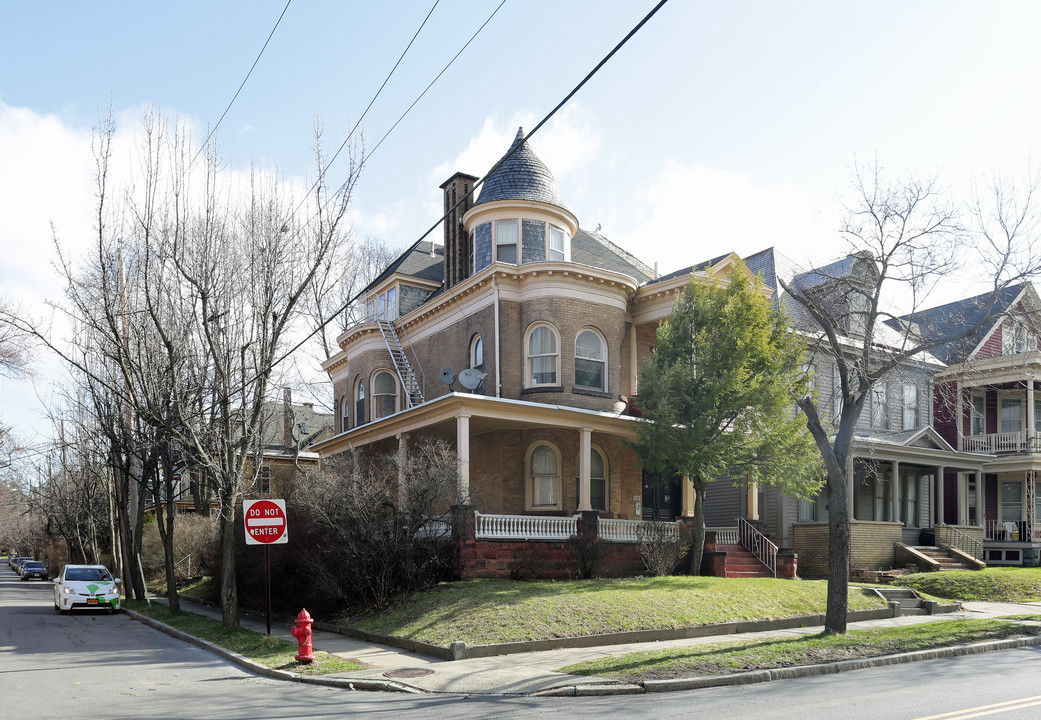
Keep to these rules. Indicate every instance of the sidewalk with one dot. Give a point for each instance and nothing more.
(536, 672)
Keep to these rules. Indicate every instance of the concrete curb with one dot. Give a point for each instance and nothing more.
(254, 667)
(761, 676)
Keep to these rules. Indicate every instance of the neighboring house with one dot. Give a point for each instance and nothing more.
(519, 340)
(894, 440)
(990, 383)
(287, 432)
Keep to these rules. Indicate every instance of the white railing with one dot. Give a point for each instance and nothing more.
(524, 527)
(725, 535)
(995, 442)
(1008, 530)
(962, 541)
(757, 544)
(435, 527)
(629, 530)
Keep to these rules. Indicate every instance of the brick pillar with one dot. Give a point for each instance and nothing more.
(463, 541)
(787, 565)
(463, 523)
(588, 526)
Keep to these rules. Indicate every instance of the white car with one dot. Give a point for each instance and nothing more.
(86, 587)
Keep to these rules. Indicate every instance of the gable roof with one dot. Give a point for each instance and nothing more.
(424, 260)
(521, 176)
(959, 316)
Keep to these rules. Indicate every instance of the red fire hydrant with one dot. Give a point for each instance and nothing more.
(302, 632)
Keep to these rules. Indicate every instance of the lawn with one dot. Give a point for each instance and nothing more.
(993, 584)
(495, 611)
(744, 655)
(260, 648)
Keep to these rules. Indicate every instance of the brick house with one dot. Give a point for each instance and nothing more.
(518, 339)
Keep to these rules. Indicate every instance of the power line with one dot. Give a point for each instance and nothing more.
(495, 167)
(241, 85)
(350, 134)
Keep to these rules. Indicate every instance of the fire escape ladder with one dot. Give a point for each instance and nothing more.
(407, 377)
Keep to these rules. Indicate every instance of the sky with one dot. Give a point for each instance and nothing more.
(718, 127)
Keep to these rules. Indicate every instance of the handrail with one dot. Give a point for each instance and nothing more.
(960, 540)
(421, 380)
(758, 544)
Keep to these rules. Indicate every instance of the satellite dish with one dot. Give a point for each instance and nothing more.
(448, 376)
(471, 378)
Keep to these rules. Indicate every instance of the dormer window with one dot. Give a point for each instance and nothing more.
(382, 306)
(517, 242)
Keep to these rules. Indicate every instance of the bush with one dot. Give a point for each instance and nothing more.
(528, 564)
(584, 554)
(661, 547)
(196, 536)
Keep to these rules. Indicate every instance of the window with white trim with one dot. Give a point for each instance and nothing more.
(1010, 418)
(597, 480)
(359, 402)
(590, 361)
(543, 357)
(384, 395)
(1016, 337)
(910, 406)
(879, 406)
(506, 241)
(557, 243)
(543, 477)
(477, 352)
(346, 413)
(979, 415)
(382, 306)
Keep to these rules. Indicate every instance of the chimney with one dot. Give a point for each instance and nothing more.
(458, 199)
(287, 418)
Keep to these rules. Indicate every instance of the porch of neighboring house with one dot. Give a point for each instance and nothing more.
(901, 513)
(998, 402)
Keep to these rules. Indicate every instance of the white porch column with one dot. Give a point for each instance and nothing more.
(894, 492)
(959, 425)
(633, 361)
(687, 498)
(940, 517)
(462, 445)
(752, 490)
(963, 500)
(981, 500)
(1030, 415)
(583, 469)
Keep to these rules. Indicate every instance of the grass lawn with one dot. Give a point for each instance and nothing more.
(494, 611)
(1010, 584)
(741, 656)
(260, 648)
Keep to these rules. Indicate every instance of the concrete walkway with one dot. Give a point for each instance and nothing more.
(536, 672)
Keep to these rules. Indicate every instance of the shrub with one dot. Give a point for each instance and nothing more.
(661, 547)
(584, 554)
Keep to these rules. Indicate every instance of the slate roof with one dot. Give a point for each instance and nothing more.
(952, 318)
(307, 425)
(417, 262)
(521, 176)
(593, 249)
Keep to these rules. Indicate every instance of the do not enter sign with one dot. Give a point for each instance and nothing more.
(265, 522)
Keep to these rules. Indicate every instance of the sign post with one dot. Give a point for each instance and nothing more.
(266, 525)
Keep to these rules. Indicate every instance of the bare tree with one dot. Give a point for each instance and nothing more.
(904, 238)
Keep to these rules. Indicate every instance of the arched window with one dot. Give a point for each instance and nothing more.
(384, 395)
(359, 403)
(477, 352)
(543, 477)
(590, 361)
(543, 359)
(597, 480)
(346, 413)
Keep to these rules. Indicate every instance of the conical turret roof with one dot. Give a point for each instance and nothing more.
(521, 177)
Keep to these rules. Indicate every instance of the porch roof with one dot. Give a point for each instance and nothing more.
(995, 370)
(921, 446)
(439, 415)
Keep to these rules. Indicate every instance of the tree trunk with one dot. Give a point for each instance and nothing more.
(229, 601)
(697, 547)
(838, 554)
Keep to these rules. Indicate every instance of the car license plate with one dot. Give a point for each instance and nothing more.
(92, 601)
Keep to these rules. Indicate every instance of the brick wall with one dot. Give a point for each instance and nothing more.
(871, 546)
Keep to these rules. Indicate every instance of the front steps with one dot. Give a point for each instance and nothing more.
(910, 603)
(743, 564)
(941, 556)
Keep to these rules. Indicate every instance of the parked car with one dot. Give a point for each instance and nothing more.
(12, 560)
(34, 568)
(19, 563)
(86, 587)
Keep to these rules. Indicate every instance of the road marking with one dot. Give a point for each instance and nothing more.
(982, 710)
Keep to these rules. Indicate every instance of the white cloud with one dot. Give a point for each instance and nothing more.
(687, 214)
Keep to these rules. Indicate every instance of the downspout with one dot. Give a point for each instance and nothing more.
(498, 355)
